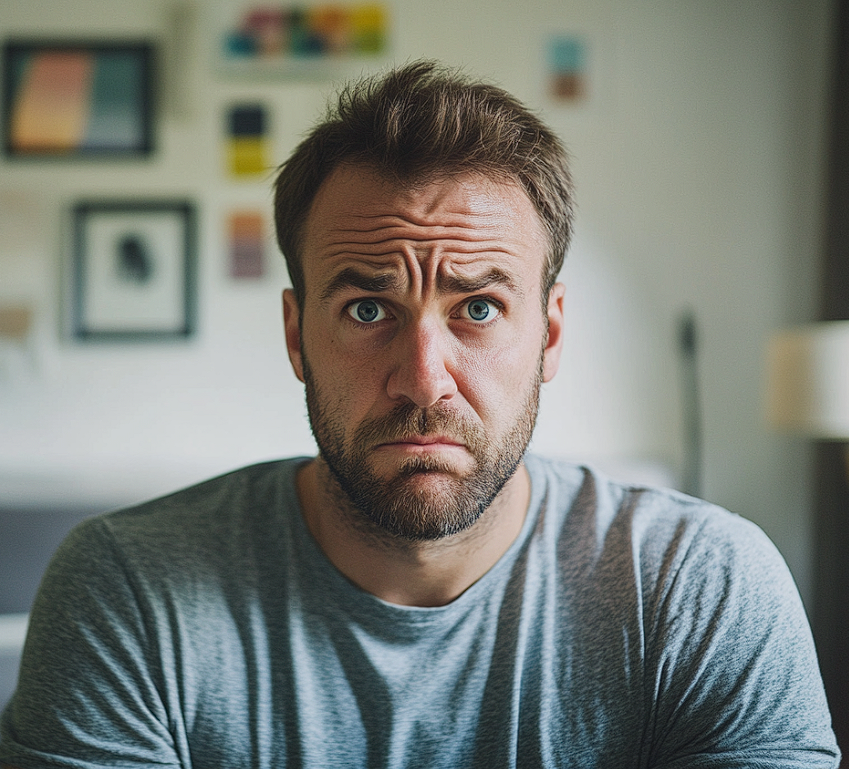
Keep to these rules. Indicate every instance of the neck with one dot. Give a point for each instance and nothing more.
(400, 571)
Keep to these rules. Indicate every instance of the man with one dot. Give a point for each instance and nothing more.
(420, 594)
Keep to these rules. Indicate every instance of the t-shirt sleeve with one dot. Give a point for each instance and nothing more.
(88, 694)
(733, 674)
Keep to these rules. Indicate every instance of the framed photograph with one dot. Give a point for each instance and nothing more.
(134, 274)
(65, 99)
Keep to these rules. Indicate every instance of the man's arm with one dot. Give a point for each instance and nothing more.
(733, 659)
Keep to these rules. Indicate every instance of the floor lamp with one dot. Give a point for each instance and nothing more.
(808, 381)
(808, 393)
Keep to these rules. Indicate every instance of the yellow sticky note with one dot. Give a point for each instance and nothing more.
(248, 156)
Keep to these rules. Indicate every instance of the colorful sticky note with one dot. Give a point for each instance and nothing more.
(247, 244)
(247, 144)
(568, 67)
(322, 30)
(368, 24)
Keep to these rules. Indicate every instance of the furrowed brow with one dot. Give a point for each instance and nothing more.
(462, 284)
(351, 277)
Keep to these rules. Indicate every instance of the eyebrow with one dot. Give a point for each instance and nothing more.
(461, 284)
(351, 277)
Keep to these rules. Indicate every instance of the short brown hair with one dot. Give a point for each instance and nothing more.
(419, 122)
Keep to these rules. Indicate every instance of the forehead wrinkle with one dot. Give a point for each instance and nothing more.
(400, 244)
(399, 252)
(378, 228)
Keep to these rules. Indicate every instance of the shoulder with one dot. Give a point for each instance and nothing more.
(570, 489)
(192, 534)
(653, 532)
(686, 571)
(212, 510)
(246, 487)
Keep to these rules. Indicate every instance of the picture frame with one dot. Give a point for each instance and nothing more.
(134, 270)
(66, 99)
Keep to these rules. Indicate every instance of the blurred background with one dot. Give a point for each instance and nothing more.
(698, 133)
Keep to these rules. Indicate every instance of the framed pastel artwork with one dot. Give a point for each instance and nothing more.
(70, 99)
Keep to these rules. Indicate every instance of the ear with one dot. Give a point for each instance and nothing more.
(554, 342)
(292, 329)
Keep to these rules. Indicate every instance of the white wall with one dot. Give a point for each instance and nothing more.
(698, 162)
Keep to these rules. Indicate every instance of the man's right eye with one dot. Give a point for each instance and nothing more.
(366, 311)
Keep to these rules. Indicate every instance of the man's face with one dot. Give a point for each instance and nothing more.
(422, 343)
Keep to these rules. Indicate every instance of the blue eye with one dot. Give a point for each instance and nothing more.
(366, 311)
(480, 310)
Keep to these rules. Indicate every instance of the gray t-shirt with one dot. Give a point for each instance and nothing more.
(625, 627)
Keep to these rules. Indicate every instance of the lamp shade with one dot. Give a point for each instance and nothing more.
(808, 380)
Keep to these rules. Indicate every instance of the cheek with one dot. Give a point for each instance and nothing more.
(499, 378)
(349, 379)
(510, 357)
(495, 379)
(343, 348)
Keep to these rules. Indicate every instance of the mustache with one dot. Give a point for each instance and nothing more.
(407, 419)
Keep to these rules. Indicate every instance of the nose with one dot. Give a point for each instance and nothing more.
(422, 359)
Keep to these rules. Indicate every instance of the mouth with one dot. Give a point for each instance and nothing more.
(422, 444)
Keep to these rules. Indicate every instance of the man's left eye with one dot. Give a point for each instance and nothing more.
(366, 311)
(480, 310)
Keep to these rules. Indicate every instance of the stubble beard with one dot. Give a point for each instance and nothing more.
(404, 505)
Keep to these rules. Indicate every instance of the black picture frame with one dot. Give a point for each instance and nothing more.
(75, 100)
(134, 270)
